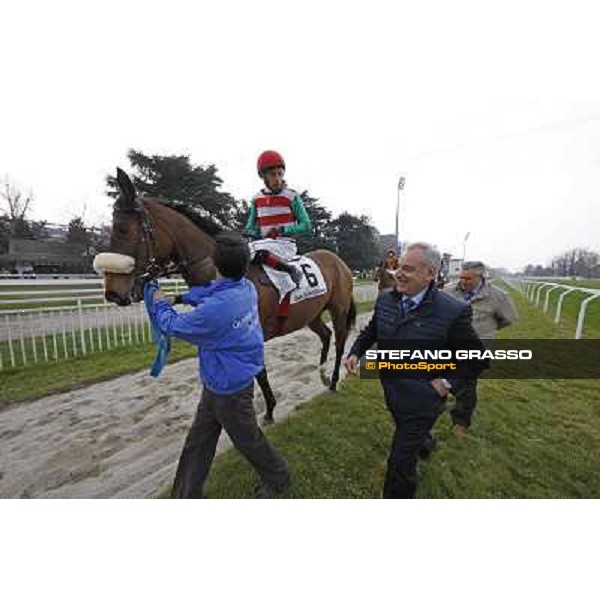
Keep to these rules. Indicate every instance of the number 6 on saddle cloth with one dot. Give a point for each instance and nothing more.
(313, 282)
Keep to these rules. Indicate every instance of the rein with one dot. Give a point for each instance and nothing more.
(153, 269)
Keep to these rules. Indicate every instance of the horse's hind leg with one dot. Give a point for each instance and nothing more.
(324, 334)
(265, 386)
(339, 352)
(343, 320)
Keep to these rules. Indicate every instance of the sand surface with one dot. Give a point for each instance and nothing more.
(122, 438)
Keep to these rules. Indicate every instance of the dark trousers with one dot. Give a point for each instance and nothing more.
(234, 413)
(411, 435)
(466, 401)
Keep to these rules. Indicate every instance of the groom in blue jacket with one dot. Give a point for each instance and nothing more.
(225, 327)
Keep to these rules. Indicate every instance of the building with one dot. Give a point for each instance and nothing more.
(451, 267)
(45, 256)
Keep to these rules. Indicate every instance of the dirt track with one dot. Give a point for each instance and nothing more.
(122, 438)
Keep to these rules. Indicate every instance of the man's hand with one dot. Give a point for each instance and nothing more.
(351, 364)
(441, 386)
(158, 295)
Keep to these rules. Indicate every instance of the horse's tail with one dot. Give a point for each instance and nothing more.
(351, 321)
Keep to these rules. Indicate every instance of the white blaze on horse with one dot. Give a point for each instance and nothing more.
(149, 237)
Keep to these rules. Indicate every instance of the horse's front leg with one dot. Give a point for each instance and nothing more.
(265, 386)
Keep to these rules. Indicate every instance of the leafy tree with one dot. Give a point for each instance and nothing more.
(240, 216)
(77, 232)
(356, 241)
(176, 180)
(322, 234)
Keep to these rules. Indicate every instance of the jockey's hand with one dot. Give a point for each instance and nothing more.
(274, 232)
(351, 364)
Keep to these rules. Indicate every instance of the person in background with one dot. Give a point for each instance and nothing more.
(493, 309)
(385, 272)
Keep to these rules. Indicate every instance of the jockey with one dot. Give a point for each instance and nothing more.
(276, 213)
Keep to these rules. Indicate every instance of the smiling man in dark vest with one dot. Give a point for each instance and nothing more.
(414, 309)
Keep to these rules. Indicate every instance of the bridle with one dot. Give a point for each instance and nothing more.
(153, 268)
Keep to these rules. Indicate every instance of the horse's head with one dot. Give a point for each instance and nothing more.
(146, 237)
(136, 247)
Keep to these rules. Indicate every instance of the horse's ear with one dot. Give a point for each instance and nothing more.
(126, 187)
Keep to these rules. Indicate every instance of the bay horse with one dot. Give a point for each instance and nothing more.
(152, 236)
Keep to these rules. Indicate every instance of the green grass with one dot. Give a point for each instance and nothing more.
(530, 439)
(569, 313)
(585, 283)
(37, 380)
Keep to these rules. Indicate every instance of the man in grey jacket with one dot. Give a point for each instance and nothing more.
(492, 310)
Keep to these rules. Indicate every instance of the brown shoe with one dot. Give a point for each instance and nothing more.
(460, 430)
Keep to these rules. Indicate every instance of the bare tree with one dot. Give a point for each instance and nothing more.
(587, 262)
(14, 206)
(580, 262)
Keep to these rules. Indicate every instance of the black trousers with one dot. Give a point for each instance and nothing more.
(234, 413)
(412, 433)
(466, 401)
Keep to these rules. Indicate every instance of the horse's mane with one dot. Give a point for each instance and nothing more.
(202, 219)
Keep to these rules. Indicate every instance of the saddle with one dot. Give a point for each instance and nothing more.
(312, 283)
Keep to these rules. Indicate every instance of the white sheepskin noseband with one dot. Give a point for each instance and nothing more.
(110, 262)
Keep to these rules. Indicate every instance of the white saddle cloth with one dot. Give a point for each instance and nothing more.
(312, 283)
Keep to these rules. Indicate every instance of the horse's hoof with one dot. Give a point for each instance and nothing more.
(324, 378)
(266, 421)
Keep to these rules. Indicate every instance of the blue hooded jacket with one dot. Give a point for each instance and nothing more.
(225, 326)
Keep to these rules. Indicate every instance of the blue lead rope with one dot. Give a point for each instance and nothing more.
(162, 341)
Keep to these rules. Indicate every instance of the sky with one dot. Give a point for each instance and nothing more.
(491, 113)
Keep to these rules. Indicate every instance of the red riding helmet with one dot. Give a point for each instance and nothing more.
(269, 160)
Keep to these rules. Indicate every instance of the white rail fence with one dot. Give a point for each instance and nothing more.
(45, 321)
(68, 320)
(538, 293)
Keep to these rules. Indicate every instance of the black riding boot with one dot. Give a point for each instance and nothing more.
(264, 257)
